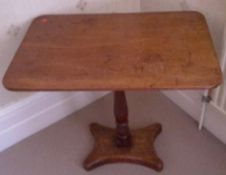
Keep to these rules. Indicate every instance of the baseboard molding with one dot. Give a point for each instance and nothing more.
(26, 117)
(215, 120)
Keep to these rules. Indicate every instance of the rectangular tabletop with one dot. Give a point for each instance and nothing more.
(170, 50)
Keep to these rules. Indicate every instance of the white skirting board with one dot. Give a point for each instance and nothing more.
(28, 116)
(42, 109)
(215, 119)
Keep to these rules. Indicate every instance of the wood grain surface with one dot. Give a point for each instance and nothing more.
(170, 50)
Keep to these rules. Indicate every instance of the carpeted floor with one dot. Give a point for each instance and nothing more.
(61, 148)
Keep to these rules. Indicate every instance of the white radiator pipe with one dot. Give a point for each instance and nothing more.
(218, 99)
(223, 67)
(203, 110)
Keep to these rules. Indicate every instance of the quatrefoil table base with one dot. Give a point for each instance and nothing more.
(140, 152)
(113, 146)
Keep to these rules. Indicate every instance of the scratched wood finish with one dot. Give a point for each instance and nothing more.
(170, 50)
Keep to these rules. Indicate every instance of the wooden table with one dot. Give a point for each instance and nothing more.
(117, 52)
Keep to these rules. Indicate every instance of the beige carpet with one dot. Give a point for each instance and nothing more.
(61, 148)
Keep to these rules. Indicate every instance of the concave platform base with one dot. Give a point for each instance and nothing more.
(140, 152)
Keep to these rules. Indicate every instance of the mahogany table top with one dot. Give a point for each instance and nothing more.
(169, 50)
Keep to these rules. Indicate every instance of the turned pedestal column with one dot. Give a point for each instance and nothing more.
(121, 144)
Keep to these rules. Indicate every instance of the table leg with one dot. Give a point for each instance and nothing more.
(121, 144)
(123, 136)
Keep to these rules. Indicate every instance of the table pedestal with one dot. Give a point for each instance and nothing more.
(121, 144)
